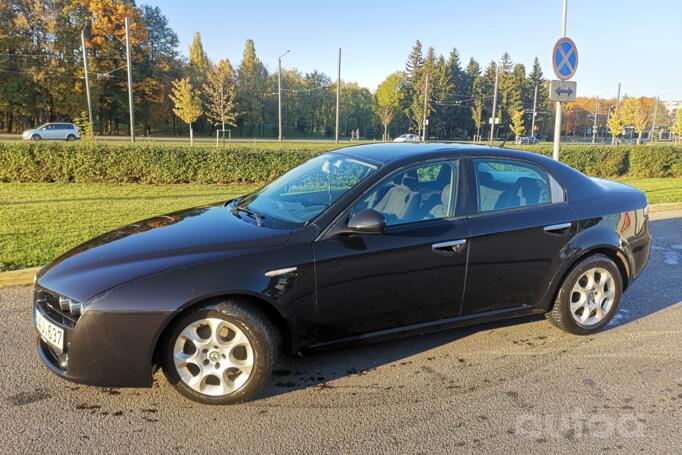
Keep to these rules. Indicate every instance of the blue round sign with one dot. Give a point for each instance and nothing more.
(565, 58)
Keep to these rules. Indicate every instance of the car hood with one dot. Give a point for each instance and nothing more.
(154, 245)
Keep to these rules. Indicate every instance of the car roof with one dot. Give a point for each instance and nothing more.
(388, 152)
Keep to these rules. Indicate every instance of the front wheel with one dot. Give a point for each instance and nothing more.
(35, 137)
(589, 296)
(221, 354)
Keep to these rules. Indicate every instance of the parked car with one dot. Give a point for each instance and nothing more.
(61, 131)
(407, 138)
(526, 140)
(361, 243)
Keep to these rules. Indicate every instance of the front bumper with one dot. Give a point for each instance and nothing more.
(104, 349)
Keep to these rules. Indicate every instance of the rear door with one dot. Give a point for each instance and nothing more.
(520, 224)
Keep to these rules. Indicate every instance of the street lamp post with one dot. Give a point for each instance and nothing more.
(279, 95)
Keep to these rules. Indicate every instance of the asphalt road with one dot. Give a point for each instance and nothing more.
(516, 387)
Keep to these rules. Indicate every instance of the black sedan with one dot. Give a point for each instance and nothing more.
(361, 243)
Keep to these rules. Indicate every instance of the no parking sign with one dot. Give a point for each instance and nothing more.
(565, 58)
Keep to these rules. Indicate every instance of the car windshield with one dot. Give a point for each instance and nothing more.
(306, 191)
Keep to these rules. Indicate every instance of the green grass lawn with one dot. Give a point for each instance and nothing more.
(658, 190)
(39, 221)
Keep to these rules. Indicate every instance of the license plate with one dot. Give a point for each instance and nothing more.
(49, 332)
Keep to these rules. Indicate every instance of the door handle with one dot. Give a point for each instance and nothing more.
(450, 247)
(557, 227)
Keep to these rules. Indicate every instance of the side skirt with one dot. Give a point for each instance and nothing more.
(428, 327)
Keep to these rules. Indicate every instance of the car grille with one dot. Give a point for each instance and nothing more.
(48, 302)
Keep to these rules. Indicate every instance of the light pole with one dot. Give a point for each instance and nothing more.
(338, 96)
(535, 111)
(492, 119)
(87, 83)
(279, 94)
(594, 126)
(130, 82)
(426, 98)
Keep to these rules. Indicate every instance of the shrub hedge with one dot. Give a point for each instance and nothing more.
(253, 163)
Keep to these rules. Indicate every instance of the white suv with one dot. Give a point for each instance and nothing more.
(63, 131)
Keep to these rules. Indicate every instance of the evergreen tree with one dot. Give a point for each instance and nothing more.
(414, 63)
(476, 95)
(199, 64)
(537, 79)
(252, 83)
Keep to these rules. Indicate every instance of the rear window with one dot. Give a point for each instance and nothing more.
(508, 184)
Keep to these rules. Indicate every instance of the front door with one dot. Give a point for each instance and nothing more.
(518, 231)
(412, 273)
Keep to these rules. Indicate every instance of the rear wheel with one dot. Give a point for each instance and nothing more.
(70, 138)
(35, 137)
(221, 354)
(589, 296)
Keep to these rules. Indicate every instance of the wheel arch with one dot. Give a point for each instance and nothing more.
(613, 253)
(269, 310)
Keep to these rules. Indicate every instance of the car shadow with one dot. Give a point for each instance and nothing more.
(321, 366)
(656, 289)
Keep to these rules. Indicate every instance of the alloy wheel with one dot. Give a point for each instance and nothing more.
(592, 296)
(213, 356)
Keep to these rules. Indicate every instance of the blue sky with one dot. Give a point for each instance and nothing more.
(633, 42)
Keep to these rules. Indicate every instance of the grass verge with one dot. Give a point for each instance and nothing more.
(39, 221)
(42, 220)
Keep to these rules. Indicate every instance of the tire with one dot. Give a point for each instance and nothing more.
(36, 137)
(70, 138)
(237, 382)
(578, 305)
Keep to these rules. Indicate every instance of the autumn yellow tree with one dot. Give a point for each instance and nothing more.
(616, 125)
(517, 127)
(636, 112)
(187, 104)
(220, 92)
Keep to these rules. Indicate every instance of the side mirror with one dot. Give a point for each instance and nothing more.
(367, 221)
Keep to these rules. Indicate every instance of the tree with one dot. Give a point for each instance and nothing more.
(159, 66)
(636, 113)
(199, 64)
(537, 79)
(414, 63)
(387, 100)
(677, 125)
(616, 124)
(187, 103)
(252, 82)
(517, 127)
(220, 92)
(477, 106)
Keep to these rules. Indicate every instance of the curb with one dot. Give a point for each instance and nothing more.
(21, 277)
(24, 277)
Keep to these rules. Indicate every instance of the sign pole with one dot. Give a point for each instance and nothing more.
(557, 118)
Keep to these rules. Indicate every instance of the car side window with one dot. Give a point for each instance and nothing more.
(503, 184)
(419, 193)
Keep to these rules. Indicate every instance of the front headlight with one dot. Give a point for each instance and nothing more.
(74, 307)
